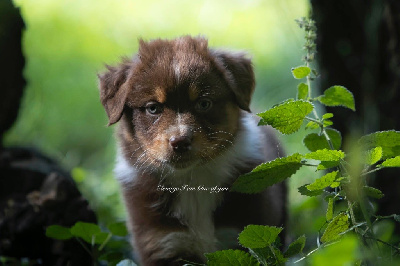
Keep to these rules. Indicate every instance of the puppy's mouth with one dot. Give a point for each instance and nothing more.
(183, 161)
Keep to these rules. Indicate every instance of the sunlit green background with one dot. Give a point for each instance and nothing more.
(67, 42)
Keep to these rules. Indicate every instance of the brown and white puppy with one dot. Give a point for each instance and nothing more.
(185, 130)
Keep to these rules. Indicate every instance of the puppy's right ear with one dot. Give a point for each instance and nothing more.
(114, 89)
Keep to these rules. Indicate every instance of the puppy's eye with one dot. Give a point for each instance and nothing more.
(154, 108)
(203, 105)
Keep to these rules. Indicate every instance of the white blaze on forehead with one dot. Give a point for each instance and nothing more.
(183, 129)
(177, 65)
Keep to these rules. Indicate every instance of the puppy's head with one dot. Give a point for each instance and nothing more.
(180, 101)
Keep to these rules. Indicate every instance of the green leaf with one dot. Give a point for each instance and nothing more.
(338, 96)
(329, 210)
(258, 236)
(397, 218)
(315, 142)
(324, 181)
(302, 91)
(345, 252)
(58, 232)
(230, 257)
(373, 156)
(312, 125)
(118, 229)
(327, 123)
(86, 231)
(338, 225)
(327, 164)
(268, 255)
(327, 116)
(301, 72)
(286, 117)
(392, 162)
(295, 247)
(325, 155)
(78, 174)
(304, 191)
(267, 174)
(373, 192)
(99, 238)
(389, 141)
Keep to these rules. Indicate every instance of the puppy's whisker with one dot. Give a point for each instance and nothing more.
(220, 132)
(221, 139)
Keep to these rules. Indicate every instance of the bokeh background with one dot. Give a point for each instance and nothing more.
(68, 42)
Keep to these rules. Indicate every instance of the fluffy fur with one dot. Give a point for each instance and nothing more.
(185, 128)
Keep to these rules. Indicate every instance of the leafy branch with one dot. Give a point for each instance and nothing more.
(344, 182)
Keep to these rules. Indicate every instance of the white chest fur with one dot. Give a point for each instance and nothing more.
(192, 205)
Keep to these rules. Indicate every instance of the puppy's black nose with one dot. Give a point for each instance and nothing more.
(180, 144)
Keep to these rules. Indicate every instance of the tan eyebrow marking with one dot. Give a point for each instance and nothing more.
(160, 94)
(193, 93)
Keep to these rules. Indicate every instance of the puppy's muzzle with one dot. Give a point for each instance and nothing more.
(180, 144)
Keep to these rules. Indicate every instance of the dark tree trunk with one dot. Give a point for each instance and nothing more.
(34, 191)
(12, 64)
(359, 47)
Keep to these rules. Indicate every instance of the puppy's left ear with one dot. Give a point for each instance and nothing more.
(238, 72)
(114, 90)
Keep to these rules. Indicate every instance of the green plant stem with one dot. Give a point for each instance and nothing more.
(385, 243)
(341, 166)
(84, 246)
(105, 242)
(314, 120)
(371, 171)
(312, 251)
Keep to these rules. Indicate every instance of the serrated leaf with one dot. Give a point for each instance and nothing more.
(389, 141)
(338, 225)
(312, 125)
(118, 229)
(268, 255)
(373, 192)
(338, 96)
(325, 155)
(373, 156)
(302, 91)
(304, 191)
(329, 210)
(86, 231)
(258, 236)
(287, 117)
(315, 142)
(324, 181)
(295, 247)
(327, 164)
(301, 72)
(261, 254)
(58, 232)
(267, 174)
(327, 116)
(335, 184)
(327, 123)
(392, 162)
(230, 257)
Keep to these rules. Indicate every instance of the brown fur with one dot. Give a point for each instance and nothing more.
(200, 96)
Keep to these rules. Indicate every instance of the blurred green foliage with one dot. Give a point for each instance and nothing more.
(67, 42)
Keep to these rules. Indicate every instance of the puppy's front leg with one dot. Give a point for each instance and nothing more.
(159, 239)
